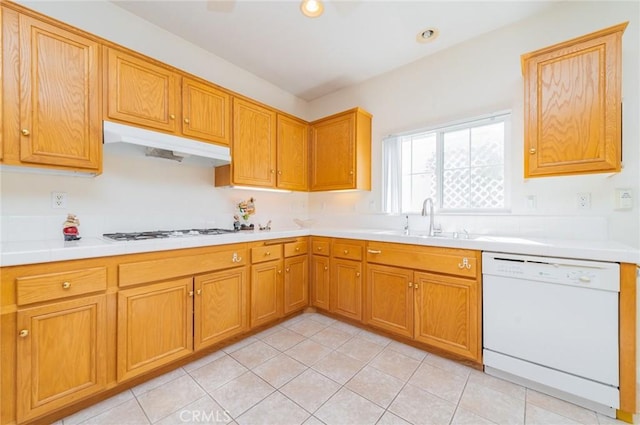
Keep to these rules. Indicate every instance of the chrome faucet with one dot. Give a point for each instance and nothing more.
(430, 213)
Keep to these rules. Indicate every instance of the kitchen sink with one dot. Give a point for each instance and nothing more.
(425, 234)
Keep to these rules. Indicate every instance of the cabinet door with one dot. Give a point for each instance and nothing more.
(206, 112)
(155, 326)
(389, 292)
(573, 106)
(320, 281)
(61, 354)
(141, 93)
(220, 306)
(333, 153)
(266, 292)
(253, 149)
(447, 314)
(296, 283)
(293, 154)
(60, 116)
(346, 288)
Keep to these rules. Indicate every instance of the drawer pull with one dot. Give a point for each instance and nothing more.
(374, 251)
(236, 258)
(66, 285)
(268, 253)
(25, 132)
(532, 151)
(465, 264)
(23, 333)
(346, 251)
(319, 248)
(297, 248)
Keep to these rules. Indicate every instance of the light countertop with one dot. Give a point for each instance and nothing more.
(31, 252)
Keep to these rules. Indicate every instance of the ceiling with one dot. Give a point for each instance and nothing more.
(351, 42)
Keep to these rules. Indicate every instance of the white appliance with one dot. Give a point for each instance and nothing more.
(165, 145)
(552, 324)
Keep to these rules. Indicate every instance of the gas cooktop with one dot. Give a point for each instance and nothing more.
(163, 234)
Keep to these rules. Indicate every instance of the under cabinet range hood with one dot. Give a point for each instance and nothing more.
(166, 146)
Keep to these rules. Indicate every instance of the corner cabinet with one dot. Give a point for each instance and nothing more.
(51, 95)
(341, 152)
(573, 112)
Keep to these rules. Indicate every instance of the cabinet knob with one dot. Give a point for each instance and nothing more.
(66, 285)
(351, 173)
(297, 248)
(532, 151)
(410, 284)
(319, 248)
(415, 286)
(273, 171)
(199, 291)
(23, 333)
(191, 293)
(357, 274)
(25, 132)
(279, 271)
(326, 268)
(268, 253)
(346, 251)
(186, 120)
(279, 172)
(172, 116)
(287, 269)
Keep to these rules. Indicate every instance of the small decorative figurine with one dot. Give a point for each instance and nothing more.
(247, 209)
(267, 227)
(70, 228)
(236, 222)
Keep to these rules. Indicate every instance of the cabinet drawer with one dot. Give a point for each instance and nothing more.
(168, 268)
(320, 247)
(296, 248)
(349, 251)
(459, 262)
(266, 253)
(53, 286)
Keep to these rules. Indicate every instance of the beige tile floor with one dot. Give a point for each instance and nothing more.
(315, 370)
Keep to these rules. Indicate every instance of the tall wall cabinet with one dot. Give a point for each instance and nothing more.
(51, 95)
(573, 111)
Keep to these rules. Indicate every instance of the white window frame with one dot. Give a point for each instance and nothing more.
(392, 177)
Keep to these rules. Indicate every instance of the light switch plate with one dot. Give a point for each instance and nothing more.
(623, 199)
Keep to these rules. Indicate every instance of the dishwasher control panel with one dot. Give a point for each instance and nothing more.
(564, 271)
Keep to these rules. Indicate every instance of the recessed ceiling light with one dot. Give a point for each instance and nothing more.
(427, 35)
(312, 8)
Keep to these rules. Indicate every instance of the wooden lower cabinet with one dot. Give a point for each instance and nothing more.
(346, 288)
(296, 283)
(447, 313)
(266, 292)
(61, 354)
(389, 299)
(220, 306)
(319, 282)
(155, 326)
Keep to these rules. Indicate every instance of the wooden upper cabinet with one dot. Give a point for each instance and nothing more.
(140, 92)
(60, 115)
(254, 145)
(573, 116)
(341, 151)
(206, 112)
(293, 154)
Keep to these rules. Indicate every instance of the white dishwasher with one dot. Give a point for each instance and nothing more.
(552, 325)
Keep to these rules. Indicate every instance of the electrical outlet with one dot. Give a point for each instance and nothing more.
(58, 200)
(532, 202)
(584, 201)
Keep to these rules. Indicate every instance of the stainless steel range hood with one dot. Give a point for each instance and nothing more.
(164, 145)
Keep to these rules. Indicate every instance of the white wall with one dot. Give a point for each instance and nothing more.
(483, 76)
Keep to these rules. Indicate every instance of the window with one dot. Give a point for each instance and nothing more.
(461, 167)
